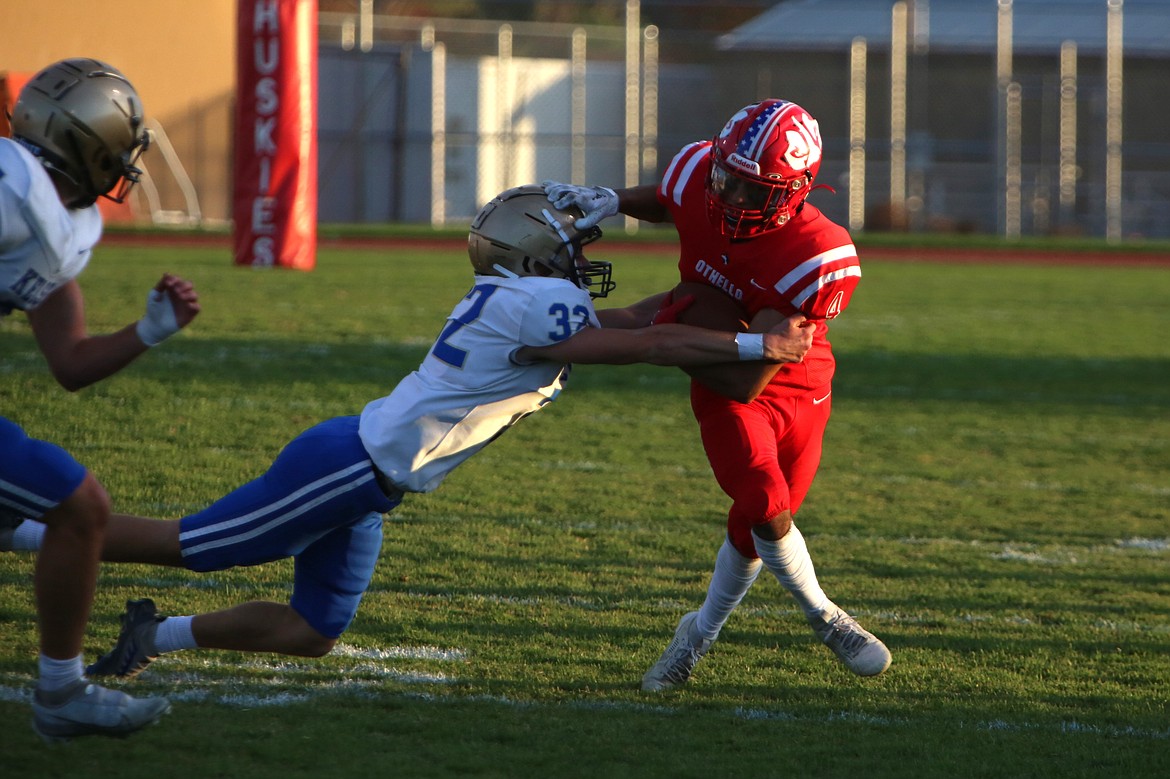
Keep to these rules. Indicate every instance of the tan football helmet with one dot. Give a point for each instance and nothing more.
(520, 233)
(84, 120)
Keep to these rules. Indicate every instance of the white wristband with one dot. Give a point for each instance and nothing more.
(751, 345)
(160, 322)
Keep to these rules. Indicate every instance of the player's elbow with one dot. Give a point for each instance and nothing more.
(72, 381)
(749, 395)
(748, 391)
(741, 395)
(729, 387)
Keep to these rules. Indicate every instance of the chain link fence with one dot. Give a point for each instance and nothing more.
(424, 120)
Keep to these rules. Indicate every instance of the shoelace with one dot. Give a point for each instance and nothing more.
(682, 660)
(848, 635)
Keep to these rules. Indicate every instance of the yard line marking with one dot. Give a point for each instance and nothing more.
(252, 695)
(407, 652)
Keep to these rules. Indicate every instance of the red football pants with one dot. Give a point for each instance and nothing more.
(764, 454)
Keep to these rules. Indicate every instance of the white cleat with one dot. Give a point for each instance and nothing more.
(87, 709)
(674, 667)
(861, 651)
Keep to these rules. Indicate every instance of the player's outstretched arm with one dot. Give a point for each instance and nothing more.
(659, 309)
(641, 202)
(677, 345)
(640, 314)
(78, 359)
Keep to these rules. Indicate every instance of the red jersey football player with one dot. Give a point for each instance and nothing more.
(738, 204)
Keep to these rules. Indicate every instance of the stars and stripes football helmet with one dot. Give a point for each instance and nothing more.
(83, 119)
(763, 163)
(520, 233)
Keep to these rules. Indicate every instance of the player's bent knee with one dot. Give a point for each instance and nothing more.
(87, 510)
(303, 639)
(317, 645)
(775, 528)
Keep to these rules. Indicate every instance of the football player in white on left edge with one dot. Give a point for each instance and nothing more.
(503, 354)
(77, 129)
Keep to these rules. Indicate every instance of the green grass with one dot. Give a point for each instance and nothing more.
(994, 501)
(333, 233)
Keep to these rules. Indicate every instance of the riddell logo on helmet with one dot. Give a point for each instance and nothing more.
(735, 160)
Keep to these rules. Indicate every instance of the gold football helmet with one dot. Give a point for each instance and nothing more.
(520, 233)
(84, 120)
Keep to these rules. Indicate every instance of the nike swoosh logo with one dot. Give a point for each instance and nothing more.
(819, 401)
(757, 286)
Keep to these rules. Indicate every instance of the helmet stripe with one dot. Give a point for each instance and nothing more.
(565, 239)
(761, 129)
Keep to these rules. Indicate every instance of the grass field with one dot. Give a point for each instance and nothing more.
(994, 502)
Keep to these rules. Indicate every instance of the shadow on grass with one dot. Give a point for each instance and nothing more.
(258, 363)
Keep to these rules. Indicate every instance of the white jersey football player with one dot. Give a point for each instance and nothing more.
(77, 130)
(503, 353)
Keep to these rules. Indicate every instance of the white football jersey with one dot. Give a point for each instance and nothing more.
(43, 244)
(470, 388)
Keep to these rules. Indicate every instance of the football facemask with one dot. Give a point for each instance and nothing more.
(763, 164)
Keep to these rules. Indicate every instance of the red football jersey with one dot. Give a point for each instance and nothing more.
(809, 265)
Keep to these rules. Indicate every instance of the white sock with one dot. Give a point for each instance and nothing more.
(59, 674)
(788, 559)
(174, 633)
(733, 576)
(27, 536)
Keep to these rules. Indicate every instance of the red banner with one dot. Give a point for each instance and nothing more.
(275, 194)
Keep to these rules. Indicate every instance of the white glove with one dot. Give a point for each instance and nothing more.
(596, 202)
(159, 322)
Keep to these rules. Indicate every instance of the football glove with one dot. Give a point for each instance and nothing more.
(159, 323)
(596, 202)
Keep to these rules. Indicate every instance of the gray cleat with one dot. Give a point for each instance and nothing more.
(87, 709)
(861, 651)
(135, 648)
(681, 655)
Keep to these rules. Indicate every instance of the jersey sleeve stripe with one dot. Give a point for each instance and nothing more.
(822, 281)
(674, 181)
(808, 266)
